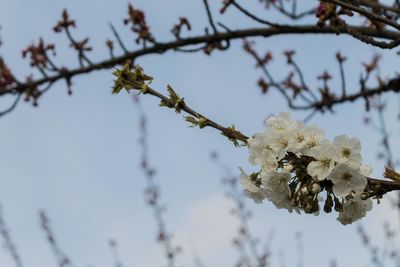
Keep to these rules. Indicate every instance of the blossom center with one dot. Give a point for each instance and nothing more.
(347, 176)
(284, 142)
(313, 142)
(280, 126)
(346, 152)
(300, 137)
(326, 163)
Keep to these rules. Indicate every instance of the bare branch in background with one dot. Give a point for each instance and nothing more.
(153, 193)
(386, 254)
(367, 22)
(298, 94)
(61, 258)
(9, 244)
(114, 250)
(332, 19)
(245, 241)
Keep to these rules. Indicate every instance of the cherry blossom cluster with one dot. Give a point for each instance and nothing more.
(301, 169)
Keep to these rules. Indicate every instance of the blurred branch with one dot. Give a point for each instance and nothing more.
(380, 255)
(245, 239)
(8, 242)
(62, 259)
(152, 192)
(114, 250)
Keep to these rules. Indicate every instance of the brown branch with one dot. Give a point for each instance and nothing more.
(137, 81)
(210, 17)
(364, 12)
(293, 14)
(327, 98)
(391, 86)
(376, 5)
(386, 186)
(227, 131)
(222, 36)
(252, 16)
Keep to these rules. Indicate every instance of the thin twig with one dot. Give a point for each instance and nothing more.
(118, 38)
(209, 15)
(233, 134)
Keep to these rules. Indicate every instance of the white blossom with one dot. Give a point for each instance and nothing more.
(366, 170)
(279, 143)
(261, 152)
(314, 137)
(251, 190)
(281, 123)
(338, 161)
(277, 188)
(298, 139)
(321, 167)
(348, 150)
(276, 182)
(284, 203)
(354, 209)
(346, 179)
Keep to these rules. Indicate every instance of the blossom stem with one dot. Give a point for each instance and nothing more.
(380, 187)
(228, 132)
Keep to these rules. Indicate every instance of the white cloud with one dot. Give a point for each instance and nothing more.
(207, 227)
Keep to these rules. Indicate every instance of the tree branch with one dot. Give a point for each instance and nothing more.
(221, 36)
(138, 80)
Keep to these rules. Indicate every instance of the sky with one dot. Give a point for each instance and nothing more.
(77, 157)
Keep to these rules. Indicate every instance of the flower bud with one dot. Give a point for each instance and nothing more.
(338, 205)
(308, 208)
(304, 190)
(328, 204)
(315, 188)
(288, 167)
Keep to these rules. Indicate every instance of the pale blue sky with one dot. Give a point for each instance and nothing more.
(77, 157)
